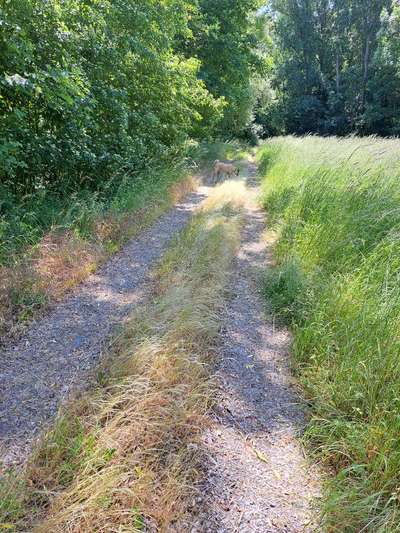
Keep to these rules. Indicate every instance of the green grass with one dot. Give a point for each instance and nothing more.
(49, 242)
(335, 204)
(24, 221)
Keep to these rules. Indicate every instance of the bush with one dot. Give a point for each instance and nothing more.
(92, 92)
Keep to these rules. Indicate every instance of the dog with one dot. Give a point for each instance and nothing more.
(223, 169)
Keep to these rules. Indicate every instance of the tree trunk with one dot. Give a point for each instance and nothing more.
(337, 73)
(365, 72)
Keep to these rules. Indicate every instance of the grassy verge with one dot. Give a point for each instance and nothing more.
(49, 245)
(126, 457)
(335, 204)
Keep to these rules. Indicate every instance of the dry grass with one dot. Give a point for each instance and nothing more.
(63, 259)
(127, 458)
(232, 193)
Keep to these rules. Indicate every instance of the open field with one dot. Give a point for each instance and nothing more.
(335, 204)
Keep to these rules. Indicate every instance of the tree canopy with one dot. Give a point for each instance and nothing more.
(336, 67)
(91, 89)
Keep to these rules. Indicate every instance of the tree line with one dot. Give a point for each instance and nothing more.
(94, 90)
(334, 67)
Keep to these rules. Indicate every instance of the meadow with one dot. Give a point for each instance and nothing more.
(335, 207)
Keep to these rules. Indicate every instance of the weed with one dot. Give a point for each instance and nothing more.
(63, 247)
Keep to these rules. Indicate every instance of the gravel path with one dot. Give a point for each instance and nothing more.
(57, 353)
(258, 479)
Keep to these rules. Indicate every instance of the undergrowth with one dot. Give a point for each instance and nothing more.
(49, 244)
(335, 205)
(127, 456)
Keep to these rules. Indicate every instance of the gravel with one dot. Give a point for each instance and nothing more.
(257, 477)
(57, 353)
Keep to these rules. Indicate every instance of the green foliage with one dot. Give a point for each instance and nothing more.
(283, 288)
(94, 94)
(93, 91)
(227, 41)
(12, 489)
(206, 153)
(26, 219)
(335, 67)
(336, 203)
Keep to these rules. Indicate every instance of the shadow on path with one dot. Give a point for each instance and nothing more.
(257, 477)
(59, 350)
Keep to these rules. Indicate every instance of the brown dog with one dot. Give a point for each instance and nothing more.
(223, 169)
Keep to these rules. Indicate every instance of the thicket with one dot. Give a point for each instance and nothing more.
(92, 91)
(335, 204)
(94, 94)
(334, 68)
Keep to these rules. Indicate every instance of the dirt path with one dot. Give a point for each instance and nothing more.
(258, 478)
(59, 350)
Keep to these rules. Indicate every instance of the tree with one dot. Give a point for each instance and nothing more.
(225, 40)
(91, 91)
(331, 57)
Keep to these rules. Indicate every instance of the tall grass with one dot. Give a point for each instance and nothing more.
(50, 243)
(24, 221)
(335, 204)
(127, 457)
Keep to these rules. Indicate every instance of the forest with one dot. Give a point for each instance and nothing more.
(333, 68)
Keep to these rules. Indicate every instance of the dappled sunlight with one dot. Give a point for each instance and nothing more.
(256, 468)
(156, 407)
(139, 454)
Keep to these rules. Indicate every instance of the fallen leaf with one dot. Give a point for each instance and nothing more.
(260, 455)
